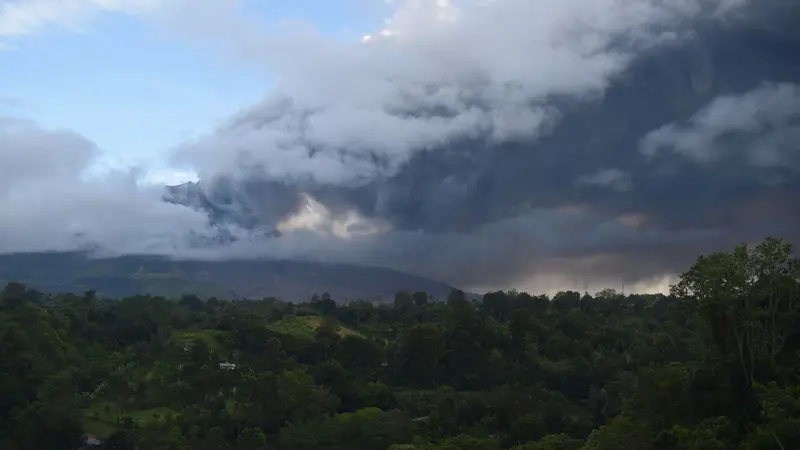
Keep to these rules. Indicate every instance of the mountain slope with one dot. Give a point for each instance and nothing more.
(130, 275)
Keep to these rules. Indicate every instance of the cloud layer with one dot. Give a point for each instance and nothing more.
(485, 143)
(28, 16)
(46, 202)
(438, 74)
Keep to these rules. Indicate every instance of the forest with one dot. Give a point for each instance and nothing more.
(713, 365)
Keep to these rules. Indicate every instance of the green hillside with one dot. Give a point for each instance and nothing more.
(131, 275)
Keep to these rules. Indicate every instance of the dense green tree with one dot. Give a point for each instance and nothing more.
(711, 366)
(251, 439)
(750, 300)
(419, 355)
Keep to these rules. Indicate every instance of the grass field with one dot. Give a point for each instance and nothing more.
(100, 417)
(304, 326)
(214, 339)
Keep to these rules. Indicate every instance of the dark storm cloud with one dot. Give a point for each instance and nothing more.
(552, 144)
(536, 144)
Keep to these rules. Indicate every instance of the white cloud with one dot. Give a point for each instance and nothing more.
(21, 17)
(169, 177)
(442, 71)
(46, 202)
(765, 113)
(27, 154)
(222, 22)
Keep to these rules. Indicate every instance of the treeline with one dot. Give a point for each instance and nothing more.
(713, 365)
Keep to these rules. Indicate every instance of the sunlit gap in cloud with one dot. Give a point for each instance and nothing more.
(312, 215)
(144, 174)
(169, 176)
(405, 18)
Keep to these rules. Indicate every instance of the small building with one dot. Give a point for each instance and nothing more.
(227, 366)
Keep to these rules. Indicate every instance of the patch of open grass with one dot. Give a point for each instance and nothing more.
(212, 338)
(100, 418)
(315, 322)
(144, 416)
(99, 428)
(304, 326)
(295, 326)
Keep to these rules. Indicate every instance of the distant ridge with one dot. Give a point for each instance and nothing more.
(154, 275)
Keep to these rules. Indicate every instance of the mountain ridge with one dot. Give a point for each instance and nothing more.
(245, 279)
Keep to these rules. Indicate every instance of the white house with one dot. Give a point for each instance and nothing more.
(227, 366)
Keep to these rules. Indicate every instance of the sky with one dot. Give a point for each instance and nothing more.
(113, 70)
(487, 143)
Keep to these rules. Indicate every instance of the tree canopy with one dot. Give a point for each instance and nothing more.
(712, 365)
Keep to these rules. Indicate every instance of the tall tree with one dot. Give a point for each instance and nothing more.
(749, 300)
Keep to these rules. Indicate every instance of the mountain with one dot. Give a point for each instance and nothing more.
(130, 275)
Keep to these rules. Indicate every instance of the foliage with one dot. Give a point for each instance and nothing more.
(711, 366)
